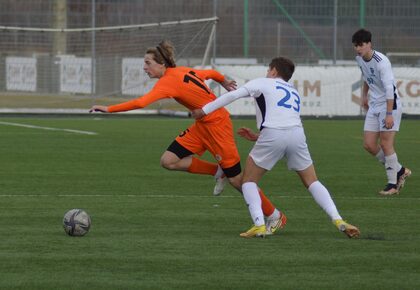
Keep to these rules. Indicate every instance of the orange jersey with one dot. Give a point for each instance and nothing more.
(185, 85)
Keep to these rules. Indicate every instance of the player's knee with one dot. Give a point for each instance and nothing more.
(386, 145)
(371, 148)
(167, 163)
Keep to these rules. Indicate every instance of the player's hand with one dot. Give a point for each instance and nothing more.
(389, 122)
(229, 85)
(248, 134)
(98, 108)
(197, 114)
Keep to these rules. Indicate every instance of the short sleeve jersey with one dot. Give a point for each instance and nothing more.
(183, 84)
(377, 73)
(277, 103)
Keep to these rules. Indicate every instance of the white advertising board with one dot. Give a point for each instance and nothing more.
(328, 90)
(21, 74)
(75, 75)
(135, 82)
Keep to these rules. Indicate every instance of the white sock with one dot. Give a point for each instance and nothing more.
(219, 172)
(253, 200)
(380, 156)
(392, 167)
(324, 200)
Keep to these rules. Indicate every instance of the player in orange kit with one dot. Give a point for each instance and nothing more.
(213, 132)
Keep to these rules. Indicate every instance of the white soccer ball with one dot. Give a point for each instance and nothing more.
(76, 222)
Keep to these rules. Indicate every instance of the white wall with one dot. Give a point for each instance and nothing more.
(328, 90)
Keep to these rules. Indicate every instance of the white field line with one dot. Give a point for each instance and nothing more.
(173, 196)
(47, 128)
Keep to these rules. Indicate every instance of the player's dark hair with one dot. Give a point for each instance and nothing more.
(284, 66)
(164, 53)
(361, 36)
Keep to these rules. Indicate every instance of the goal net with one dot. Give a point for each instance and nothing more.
(75, 68)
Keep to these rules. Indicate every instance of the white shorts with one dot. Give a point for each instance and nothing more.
(275, 144)
(375, 121)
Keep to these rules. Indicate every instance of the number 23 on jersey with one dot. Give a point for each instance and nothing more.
(289, 100)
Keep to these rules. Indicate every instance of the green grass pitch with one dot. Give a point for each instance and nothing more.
(156, 229)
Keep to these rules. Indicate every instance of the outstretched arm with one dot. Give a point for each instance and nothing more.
(157, 93)
(221, 101)
(229, 85)
(98, 108)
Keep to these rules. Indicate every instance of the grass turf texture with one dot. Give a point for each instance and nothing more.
(156, 229)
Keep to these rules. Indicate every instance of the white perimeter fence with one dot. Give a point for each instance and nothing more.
(325, 90)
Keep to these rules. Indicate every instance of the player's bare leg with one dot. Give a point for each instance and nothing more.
(323, 198)
(257, 205)
(269, 210)
(171, 161)
(392, 166)
(370, 142)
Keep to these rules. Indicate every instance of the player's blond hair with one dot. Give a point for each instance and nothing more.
(164, 53)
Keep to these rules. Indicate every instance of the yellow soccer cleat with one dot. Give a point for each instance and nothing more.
(255, 231)
(351, 231)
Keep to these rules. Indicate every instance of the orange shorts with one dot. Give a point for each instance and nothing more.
(216, 137)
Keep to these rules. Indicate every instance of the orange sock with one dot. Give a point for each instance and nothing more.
(267, 207)
(199, 166)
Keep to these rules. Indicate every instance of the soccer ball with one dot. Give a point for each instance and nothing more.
(76, 222)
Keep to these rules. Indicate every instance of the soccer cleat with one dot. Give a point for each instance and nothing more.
(401, 176)
(390, 189)
(273, 224)
(350, 230)
(255, 231)
(220, 185)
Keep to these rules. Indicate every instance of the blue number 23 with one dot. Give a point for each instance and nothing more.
(285, 99)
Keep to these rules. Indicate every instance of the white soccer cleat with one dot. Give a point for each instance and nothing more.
(390, 189)
(273, 224)
(220, 185)
(401, 176)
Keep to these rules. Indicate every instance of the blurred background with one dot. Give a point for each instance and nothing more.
(41, 37)
(305, 30)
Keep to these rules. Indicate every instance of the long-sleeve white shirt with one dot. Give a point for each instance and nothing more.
(277, 102)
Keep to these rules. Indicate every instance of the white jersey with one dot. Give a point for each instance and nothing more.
(377, 73)
(278, 107)
(277, 103)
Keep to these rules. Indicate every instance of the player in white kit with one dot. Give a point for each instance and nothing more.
(383, 118)
(281, 136)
